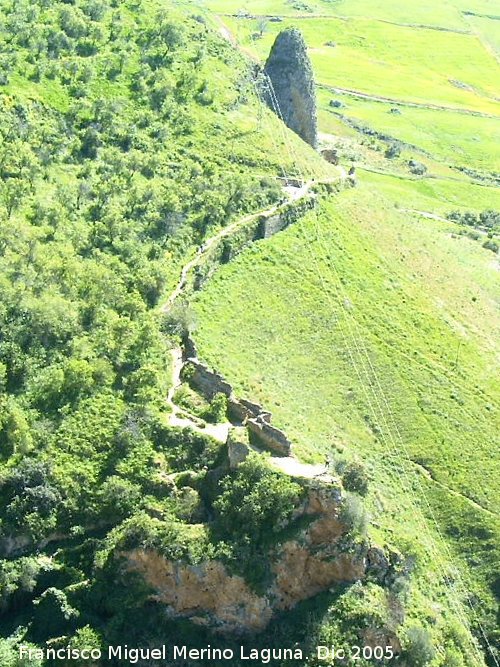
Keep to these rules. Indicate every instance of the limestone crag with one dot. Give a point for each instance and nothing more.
(289, 71)
(319, 556)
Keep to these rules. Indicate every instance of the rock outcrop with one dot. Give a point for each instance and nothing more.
(319, 556)
(290, 85)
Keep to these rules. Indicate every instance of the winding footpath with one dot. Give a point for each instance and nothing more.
(294, 195)
(178, 416)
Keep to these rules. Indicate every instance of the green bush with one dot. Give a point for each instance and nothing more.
(354, 515)
(218, 409)
(255, 501)
(417, 167)
(491, 245)
(355, 478)
(185, 449)
(393, 150)
(419, 650)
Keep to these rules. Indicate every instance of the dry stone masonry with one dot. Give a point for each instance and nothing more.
(256, 419)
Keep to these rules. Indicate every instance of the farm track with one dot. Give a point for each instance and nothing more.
(337, 17)
(404, 103)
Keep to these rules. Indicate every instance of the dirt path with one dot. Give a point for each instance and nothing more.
(294, 194)
(293, 467)
(338, 17)
(426, 214)
(179, 416)
(404, 103)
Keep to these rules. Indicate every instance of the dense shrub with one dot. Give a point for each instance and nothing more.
(419, 650)
(217, 411)
(255, 501)
(491, 245)
(393, 150)
(417, 168)
(488, 220)
(355, 478)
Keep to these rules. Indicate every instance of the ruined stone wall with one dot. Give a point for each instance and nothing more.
(269, 436)
(261, 228)
(208, 382)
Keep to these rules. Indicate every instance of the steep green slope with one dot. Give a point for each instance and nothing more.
(371, 329)
(128, 133)
(373, 333)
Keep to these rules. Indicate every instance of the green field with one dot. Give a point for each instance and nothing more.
(468, 141)
(352, 326)
(398, 62)
(368, 328)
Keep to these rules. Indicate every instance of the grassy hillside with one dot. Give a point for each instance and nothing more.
(129, 132)
(371, 329)
(363, 325)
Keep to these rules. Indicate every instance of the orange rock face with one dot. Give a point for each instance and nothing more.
(208, 594)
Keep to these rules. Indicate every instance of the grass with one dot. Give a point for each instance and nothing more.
(433, 195)
(488, 31)
(422, 13)
(384, 260)
(371, 321)
(466, 141)
(399, 62)
(422, 305)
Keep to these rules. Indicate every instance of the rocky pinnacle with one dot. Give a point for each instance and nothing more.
(289, 70)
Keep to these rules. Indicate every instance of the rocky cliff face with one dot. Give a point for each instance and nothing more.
(319, 556)
(289, 70)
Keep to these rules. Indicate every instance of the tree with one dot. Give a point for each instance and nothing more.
(355, 478)
(255, 501)
(262, 25)
(32, 499)
(9, 654)
(419, 650)
(13, 192)
(218, 408)
(118, 498)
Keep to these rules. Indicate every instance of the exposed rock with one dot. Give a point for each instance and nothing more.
(237, 450)
(318, 557)
(383, 637)
(290, 73)
(206, 593)
(330, 155)
(255, 410)
(269, 436)
(301, 574)
(377, 563)
(207, 381)
(189, 347)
